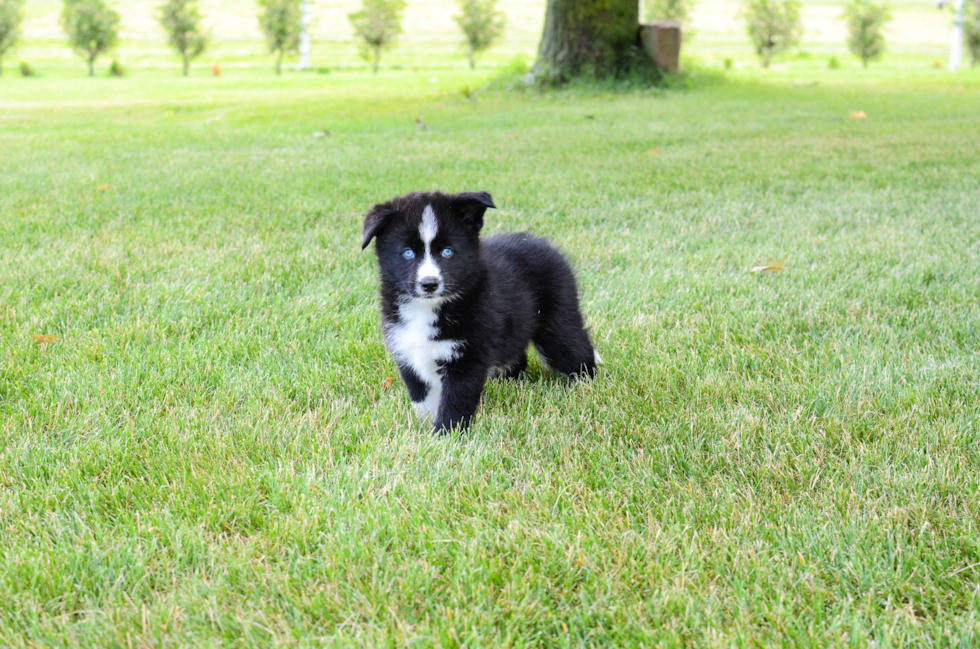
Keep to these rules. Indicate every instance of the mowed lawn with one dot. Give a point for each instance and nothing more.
(213, 453)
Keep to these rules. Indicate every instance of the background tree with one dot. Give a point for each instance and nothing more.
(581, 36)
(378, 23)
(971, 31)
(676, 10)
(182, 22)
(773, 26)
(865, 21)
(11, 13)
(92, 28)
(280, 23)
(481, 23)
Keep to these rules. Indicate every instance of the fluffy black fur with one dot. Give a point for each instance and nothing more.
(495, 296)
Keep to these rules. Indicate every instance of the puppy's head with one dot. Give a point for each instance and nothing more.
(428, 245)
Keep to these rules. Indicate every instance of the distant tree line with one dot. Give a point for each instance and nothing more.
(578, 34)
(11, 13)
(774, 26)
(92, 28)
(181, 20)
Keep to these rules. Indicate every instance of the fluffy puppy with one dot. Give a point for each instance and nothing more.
(456, 309)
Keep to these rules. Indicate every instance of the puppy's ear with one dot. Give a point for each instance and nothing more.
(376, 220)
(471, 206)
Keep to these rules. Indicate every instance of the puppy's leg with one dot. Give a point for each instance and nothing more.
(511, 369)
(563, 344)
(561, 337)
(417, 389)
(515, 368)
(462, 385)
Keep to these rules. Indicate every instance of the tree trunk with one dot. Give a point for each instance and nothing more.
(187, 65)
(582, 36)
(1, 66)
(377, 58)
(472, 59)
(279, 64)
(304, 35)
(91, 67)
(956, 45)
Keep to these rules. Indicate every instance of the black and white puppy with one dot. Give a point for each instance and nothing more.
(456, 309)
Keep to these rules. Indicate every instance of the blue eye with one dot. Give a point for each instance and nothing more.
(408, 253)
(447, 252)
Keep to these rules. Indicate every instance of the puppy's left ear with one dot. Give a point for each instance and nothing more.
(471, 206)
(376, 220)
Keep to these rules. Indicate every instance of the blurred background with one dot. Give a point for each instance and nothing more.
(917, 37)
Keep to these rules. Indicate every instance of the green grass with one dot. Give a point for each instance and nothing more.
(209, 456)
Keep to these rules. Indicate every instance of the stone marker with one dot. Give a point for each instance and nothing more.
(662, 42)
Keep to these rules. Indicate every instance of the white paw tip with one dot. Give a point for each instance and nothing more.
(598, 359)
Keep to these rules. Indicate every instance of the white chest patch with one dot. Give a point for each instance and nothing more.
(412, 342)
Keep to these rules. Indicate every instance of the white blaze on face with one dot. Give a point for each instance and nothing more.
(428, 230)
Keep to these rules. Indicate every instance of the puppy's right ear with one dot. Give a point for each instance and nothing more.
(376, 220)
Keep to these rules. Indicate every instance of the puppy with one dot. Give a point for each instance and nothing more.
(456, 309)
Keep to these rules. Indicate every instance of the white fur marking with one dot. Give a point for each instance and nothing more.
(429, 227)
(597, 359)
(428, 230)
(433, 399)
(412, 341)
(428, 268)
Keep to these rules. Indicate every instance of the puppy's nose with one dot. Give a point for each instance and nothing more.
(429, 284)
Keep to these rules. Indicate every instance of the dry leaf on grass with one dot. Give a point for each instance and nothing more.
(772, 267)
(102, 188)
(653, 151)
(858, 115)
(44, 339)
(388, 382)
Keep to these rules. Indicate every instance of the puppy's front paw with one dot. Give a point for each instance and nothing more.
(443, 427)
(441, 431)
(420, 410)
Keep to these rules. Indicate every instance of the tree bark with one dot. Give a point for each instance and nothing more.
(187, 65)
(583, 36)
(91, 67)
(377, 58)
